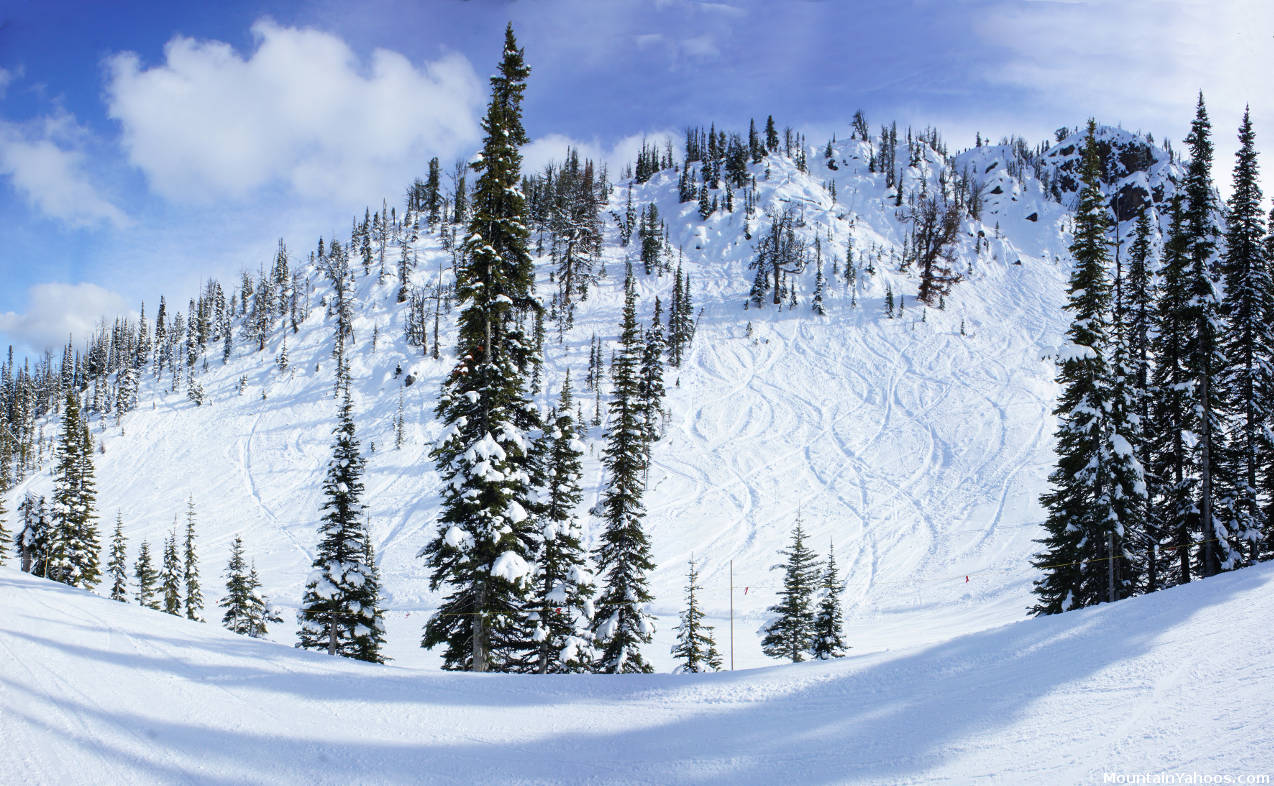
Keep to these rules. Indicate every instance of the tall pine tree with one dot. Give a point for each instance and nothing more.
(622, 623)
(73, 553)
(1218, 548)
(563, 583)
(1097, 486)
(486, 536)
(1248, 347)
(147, 576)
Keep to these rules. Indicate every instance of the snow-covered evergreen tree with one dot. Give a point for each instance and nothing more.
(1248, 346)
(1174, 420)
(486, 536)
(117, 566)
(829, 621)
(32, 541)
(247, 611)
(1138, 326)
(650, 387)
(74, 548)
(790, 631)
(193, 600)
(695, 648)
(563, 585)
(1097, 486)
(171, 575)
(338, 613)
(622, 623)
(146, 575)
(1219, 547)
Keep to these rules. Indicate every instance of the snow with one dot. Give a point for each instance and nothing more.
(510, 566)
(95, 691)
(919, 452)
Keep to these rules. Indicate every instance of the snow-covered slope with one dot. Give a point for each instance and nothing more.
(92, 691)
(917, 445)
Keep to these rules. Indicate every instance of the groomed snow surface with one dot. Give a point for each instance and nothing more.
(94, 691)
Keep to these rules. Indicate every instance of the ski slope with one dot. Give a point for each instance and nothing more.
(1179, 681)
(918, 446)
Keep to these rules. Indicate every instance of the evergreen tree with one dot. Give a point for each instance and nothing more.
(1097, 487)
(73, 556)
(260, 612)
(1174, 418)
(170, 576)
(1219, 546)
(371, 640)
(237, 601)
(1248, 347)
(194, 596)
(695, 647)
(33, 541)
(790, 632)
(338, 611)
(563, 584)
(117, 567)
(829, 622)
(146, 576)
(1139, 307)
(650, 385)
(248, 612)
(4, 533)
(486, 536)
(622, 623)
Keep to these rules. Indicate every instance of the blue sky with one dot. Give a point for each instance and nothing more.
(147, 146)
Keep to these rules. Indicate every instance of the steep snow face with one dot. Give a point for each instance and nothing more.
(1179, 681)
(917, 444)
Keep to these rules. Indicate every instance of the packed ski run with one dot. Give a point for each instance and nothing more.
(1177, 682)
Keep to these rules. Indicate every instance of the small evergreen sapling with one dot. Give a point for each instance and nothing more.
(695, 647)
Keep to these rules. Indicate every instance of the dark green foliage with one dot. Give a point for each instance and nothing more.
(695, 647)
(339, 613)
(147, 577)
(1219, 547)
(1248, 346)
(650, 383)
(790, 632)
(170, 576)
(563, 585)
(829, 622)
(1172, 462)
(622, 623)
(248, 612)
(1096, 499)
(193, 600)
(486, 536)
(117, 566)
(73, 551)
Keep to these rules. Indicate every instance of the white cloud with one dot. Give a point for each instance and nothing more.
(1140, 63)
(301, 110)
(552, 148)
(46, 166)
(6, 77)
(56, 311)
